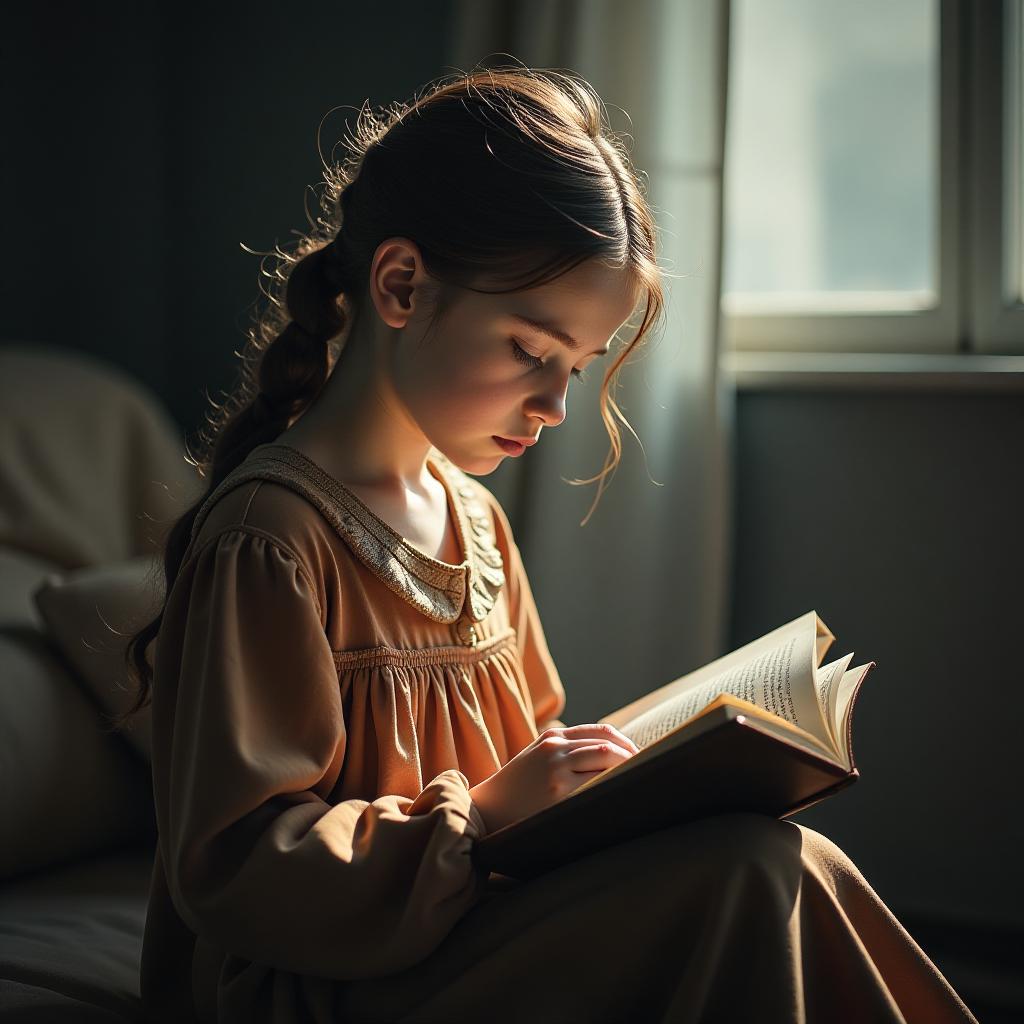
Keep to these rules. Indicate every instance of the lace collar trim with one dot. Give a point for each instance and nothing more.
(444, 592)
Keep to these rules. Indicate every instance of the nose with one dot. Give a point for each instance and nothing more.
(548, 403)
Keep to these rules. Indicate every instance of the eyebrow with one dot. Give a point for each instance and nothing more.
(555, 333)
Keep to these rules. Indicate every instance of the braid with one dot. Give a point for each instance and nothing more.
(334, 267)
(293, 368)
(291, 371)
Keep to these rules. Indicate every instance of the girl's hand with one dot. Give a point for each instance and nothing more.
(552, 766)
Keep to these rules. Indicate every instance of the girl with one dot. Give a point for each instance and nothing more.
(351, 685)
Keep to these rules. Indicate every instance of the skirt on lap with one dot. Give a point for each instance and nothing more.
(733, 918)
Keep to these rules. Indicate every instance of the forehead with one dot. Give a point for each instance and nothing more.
(581, 309)
(591, 281)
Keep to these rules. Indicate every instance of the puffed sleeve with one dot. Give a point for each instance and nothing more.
(249, 742)
(546, 688)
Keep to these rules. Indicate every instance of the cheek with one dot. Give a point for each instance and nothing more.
(462, 394)
(473, 401)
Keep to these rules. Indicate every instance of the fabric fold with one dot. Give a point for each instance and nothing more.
(546, 690)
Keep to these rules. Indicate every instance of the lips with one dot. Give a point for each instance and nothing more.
(508, 446)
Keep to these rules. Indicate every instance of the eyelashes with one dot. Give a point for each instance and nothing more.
(523, 356)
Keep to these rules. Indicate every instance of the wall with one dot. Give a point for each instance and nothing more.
(896, 516)
(152, 142)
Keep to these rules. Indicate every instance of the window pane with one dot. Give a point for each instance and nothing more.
(831, 165)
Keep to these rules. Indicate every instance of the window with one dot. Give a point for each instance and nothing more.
(997, 176)
(873, 177)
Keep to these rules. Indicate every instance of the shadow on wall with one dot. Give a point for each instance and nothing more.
(149, 151)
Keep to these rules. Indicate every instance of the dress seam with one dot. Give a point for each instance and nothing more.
(447, 654)
(284, 548)
(248, 504)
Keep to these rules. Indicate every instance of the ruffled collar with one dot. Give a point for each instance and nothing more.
(462, 594)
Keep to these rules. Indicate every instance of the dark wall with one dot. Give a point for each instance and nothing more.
(897, 517)
(84, 182)
(149, 140)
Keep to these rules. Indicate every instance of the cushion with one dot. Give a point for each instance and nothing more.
(20, 576)
(67, 788)
(90, 614)
(71, 940)
(92, 469)
(36, 1004)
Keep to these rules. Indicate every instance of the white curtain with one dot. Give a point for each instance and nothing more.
(641, 594)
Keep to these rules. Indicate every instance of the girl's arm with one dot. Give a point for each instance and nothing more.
(249, 743)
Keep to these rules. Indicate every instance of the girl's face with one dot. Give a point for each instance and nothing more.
(487, 373)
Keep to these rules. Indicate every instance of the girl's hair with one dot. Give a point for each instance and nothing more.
(509, 174)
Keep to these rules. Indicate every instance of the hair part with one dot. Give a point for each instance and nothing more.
(507, 174)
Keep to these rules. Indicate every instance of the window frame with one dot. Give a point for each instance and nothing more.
(936, 331)
(996, 323)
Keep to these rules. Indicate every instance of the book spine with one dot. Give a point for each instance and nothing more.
(823, 794)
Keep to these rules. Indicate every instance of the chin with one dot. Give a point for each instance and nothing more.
(482, 466)
(475, 465)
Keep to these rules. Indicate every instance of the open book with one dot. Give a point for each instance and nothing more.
(766, 728)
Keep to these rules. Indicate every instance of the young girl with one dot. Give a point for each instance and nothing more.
(350, 683)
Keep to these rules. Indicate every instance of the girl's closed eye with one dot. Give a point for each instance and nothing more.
(531, 360)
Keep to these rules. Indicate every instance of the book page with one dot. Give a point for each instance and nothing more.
(758, 717)
(780, 680)
(829, 678)
(846, 693)
(807, 625)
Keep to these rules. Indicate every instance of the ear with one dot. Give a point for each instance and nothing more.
(396, 274)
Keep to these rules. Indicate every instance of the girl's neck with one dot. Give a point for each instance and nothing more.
(358, 431)
(419, 515)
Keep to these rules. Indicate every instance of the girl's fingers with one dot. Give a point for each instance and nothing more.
(595, 731)
(597, 757)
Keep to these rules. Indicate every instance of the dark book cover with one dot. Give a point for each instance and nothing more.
(724, 759)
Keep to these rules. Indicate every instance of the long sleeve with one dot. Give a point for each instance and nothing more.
(546, 690)
(249, 743)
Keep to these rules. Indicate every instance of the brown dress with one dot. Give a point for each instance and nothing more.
(324, 697)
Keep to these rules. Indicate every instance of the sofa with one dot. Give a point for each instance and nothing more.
(92, 474)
